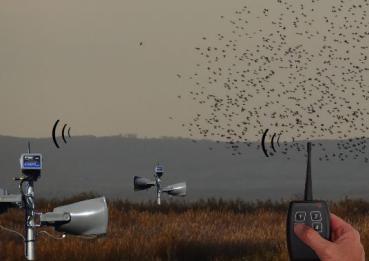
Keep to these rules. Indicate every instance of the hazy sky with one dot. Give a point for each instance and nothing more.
(81, 61)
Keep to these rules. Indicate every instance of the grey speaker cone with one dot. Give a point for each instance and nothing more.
(88, 217)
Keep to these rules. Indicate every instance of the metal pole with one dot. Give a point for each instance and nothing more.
(158, 189)
(158, 196)
(30, 222)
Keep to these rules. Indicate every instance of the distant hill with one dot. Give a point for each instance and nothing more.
(106, 165)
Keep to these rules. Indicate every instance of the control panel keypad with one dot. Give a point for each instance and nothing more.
(312, 219)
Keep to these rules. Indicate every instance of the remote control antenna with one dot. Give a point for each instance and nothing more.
(308, 183)
(29, 147)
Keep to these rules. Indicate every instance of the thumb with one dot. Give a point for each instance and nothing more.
(313, 239)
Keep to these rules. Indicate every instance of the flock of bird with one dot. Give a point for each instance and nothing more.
(296, 67)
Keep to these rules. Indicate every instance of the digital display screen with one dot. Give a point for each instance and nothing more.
(31, 162)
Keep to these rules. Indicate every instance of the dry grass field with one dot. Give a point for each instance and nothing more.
(202, 230)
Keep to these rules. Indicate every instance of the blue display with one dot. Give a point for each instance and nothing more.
(31, 162)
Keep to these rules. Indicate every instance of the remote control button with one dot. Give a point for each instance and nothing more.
(316, 216)
(300, 216)
(317, 226)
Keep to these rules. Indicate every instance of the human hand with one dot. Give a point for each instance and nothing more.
(345, 244)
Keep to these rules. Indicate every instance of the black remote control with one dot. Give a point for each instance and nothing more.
(310, 212)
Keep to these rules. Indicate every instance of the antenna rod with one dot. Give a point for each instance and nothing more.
(29, 147)
(308, 182)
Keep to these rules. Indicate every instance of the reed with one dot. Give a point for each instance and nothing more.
(202, 230)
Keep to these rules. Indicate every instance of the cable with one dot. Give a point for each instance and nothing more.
(12, 231)
(20, 186)
(51, 235)
(64, 236)
(86, 237)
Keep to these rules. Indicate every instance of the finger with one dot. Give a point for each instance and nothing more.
(339, 226)
(312, 238)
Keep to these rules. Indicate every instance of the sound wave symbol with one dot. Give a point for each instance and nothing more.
(272, 142)
(63, 133)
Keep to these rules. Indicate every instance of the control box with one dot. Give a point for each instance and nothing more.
(159, 170)
(31, 163)
(314, 214)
